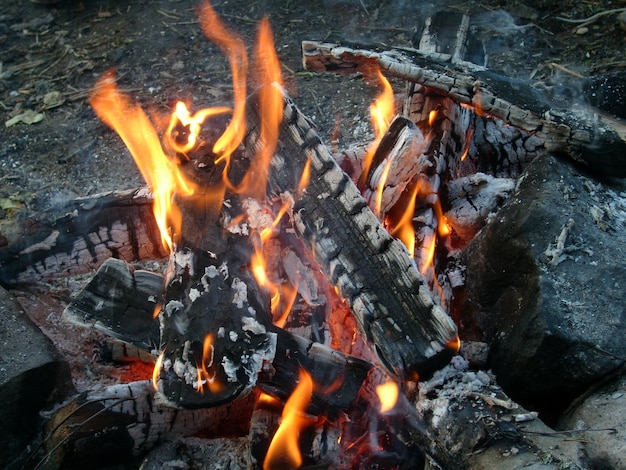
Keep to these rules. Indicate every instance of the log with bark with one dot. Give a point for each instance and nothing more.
(595, 140)
(39, 247)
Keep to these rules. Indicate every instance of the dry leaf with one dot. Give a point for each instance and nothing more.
(27, 117)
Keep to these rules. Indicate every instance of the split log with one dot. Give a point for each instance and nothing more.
(132, 306)
(92, 229)
(373, 271)
(120, 423)
(596, 141)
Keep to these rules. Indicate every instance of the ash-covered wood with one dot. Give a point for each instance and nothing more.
(399, 158)
(579, 132)
(117, 424)
(91, 230)
(339, 376)
(373, 271)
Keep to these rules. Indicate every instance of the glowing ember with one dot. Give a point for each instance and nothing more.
(388, 395)
(283, 452)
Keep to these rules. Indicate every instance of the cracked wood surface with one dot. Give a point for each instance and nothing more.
(580, 132)
(373, 271)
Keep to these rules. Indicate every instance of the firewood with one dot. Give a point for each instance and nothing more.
(121, 422)
(90, 230)
(339, 376)
(579, 132)
(373, 271)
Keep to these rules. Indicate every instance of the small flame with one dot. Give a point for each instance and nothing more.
(381, 114)
(404, 229)
(381, 187)
(468, 143)
(305, 177)
(283, 452)
(192, 122)
(234, 48)
(432, 117)
(161, 173)
(204, 376)
(157, 371)
(388, 394)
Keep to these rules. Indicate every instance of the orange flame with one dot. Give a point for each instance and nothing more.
(381, 114)
(271, 103)
(136, 130)
(283, 452)
(388, 394)
(157, 370)
(404, 229)
(203, 374)
(234, 48)
(191, 121)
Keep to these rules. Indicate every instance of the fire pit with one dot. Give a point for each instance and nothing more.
(269, 359)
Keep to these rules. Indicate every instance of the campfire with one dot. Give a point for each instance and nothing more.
(304, 314)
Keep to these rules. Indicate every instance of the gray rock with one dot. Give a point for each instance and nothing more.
(32, 375)
(602, 424)
(544, 284)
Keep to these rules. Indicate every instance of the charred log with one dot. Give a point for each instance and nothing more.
(596, 141)
(92, 229)
(339, 376)
(373, 271)
(120, 423)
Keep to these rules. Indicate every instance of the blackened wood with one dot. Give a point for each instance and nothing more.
(577, 132)
(121, 302)
(339, 376)
(91, 229)
(373, 271)
(119, 423)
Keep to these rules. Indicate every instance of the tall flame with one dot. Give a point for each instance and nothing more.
(283, 452)
(161, 173)
(271, 104)
(381, 114)
(234, 48)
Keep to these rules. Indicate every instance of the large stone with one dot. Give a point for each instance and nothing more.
(32, 375)
(544, 285)
(598, 421)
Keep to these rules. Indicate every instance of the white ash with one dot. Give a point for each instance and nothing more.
(300, 276)
(240, 296)
(186, 371)
(47, 244)
(233, 336)
(184, 260)
(250, 325)
(221, 332)
(175, 311)
(194, 294)
(259, 217)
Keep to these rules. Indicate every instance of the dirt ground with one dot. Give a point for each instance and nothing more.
(51, 56)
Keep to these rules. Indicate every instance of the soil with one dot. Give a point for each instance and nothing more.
(51, 56)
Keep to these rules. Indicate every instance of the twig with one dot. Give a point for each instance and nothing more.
(562, 68)
(592, 19)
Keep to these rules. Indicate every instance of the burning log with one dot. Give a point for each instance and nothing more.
(128, 316)
(598, 142)
(373, 271)
(92, 229)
